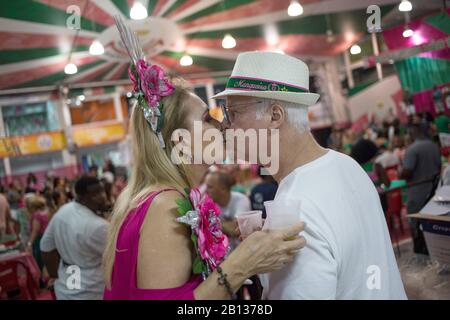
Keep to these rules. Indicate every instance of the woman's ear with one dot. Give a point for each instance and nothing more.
(277, 116)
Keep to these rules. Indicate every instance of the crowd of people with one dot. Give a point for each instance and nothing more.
(389, 152)
(68, 219)
(27, 209)
(408, 155)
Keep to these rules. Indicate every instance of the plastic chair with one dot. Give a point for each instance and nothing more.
(394, 208)
(15, 276)
(394, 203)
(394, 198)
(392, 173)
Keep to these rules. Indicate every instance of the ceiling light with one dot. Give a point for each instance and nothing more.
(408, 33)
(70, 68)
(228, 42)
(295, 9)
(186, 60)
(405, 6)
(96, 48)
(138, 11)
(355, 49)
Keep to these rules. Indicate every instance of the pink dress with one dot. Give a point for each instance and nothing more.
(124, 281)
(42, 218)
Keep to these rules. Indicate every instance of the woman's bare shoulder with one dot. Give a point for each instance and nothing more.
(162, 212)
(166, 199)
(164, 243)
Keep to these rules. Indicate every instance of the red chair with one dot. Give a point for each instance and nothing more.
(9, 243)
(392, 173)
(394, 203)
(15, 276)
(394, 200)
(394, 209)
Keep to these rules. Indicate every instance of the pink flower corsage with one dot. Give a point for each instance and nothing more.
(202, 214)
(153, 82)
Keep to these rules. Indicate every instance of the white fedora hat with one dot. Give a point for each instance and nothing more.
(270, 75)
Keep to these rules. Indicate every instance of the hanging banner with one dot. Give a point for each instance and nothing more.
(31, 144)
(401, 54)
(86, 136)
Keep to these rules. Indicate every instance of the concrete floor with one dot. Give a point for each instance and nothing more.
(423, 279)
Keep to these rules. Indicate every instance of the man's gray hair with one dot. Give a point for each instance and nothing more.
(297, 114)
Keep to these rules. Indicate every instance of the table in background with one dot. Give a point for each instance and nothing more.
(27, 259)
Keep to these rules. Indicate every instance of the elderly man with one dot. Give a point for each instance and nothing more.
(349, 254)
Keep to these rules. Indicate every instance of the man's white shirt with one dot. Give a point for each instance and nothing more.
(238, 203)
(348, 254)
(79, 236)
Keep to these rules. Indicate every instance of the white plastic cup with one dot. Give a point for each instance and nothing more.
(281, 213)
(249, 222)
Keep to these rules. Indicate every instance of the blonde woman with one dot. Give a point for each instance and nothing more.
(39, 218)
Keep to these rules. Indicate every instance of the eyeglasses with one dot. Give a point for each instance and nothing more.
(229, 114)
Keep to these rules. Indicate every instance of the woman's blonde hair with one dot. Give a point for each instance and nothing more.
(36, 203)
(151, 165)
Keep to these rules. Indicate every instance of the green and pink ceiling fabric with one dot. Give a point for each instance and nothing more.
(420, 73)
(35, 41)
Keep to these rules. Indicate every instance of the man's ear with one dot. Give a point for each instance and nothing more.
(277, 116)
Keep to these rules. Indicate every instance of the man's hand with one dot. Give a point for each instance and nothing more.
(51, 284)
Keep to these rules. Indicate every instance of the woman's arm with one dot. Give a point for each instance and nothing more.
(35, 226)
(166, 253)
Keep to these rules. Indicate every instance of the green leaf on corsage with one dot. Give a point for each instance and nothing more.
(198, 266)
(184, 205)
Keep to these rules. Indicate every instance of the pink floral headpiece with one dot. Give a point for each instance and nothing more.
(150, 82)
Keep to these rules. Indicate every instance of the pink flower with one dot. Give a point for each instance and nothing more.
(212, 243)
(195, 196)
(153, 81)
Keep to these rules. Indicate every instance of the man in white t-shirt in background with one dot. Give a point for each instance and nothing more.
(387, 158)
(218, 186)
(348, 253)
(73, 243)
